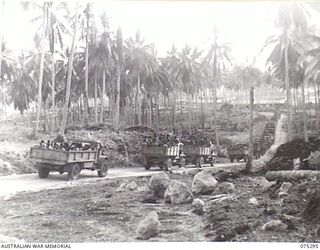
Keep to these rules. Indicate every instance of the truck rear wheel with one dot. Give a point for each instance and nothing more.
(200, 161)
(43, 172)
(74, 171)
(103, 171)
(182, 162)
(168, 164)
(146, 164)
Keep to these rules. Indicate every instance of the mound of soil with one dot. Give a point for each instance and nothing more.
(285, 154)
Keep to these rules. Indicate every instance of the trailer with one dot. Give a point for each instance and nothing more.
(164, 156)
(47, 160)
(199, 155)
(238, 152)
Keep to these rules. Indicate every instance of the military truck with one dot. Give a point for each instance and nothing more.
(47, 160)
(238, 152)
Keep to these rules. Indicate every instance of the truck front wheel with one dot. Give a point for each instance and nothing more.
(103, 171)
(74, 171)
(43, 172)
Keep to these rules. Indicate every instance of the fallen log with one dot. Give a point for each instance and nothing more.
(289, 175)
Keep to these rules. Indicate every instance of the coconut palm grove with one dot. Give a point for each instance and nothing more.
(205, 114)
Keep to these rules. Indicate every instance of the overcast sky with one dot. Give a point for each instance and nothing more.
(244, 24)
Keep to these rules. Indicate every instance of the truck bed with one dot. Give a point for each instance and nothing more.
(196, 150)
(151, 150)
(58, 157)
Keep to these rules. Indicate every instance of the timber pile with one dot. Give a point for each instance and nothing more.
(161, 140)
(289, 151)
(60, 143)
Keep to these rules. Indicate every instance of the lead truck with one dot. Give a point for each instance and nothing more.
(48, 160)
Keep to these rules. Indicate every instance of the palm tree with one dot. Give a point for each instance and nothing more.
(1, 42)
(8, 72)
(44, 9)
(291, 18)
(119, 59)
(70, 71)
(88, 21)
(140, 60)
(169, 63)
(219, 54)
(248, 78)
(57, 27)
(187, 68)
(313, 62)
(22, 90)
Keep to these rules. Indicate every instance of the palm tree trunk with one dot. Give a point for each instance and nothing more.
(149, 111)
(249, 162)
(215, 120)
(1, 42)
(158, 113)
(316, 103)
(189, 109)
(53, 73)
(70, 69)
(287, 84)
(173, 117)
(305, 130)
(86, 95)
(117, 111)
(41, 68)
(181, 103)
(103, 94)
(95, 98)
(139, 101)
(201, 110)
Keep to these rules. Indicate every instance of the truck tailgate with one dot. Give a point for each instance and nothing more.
(49, 156)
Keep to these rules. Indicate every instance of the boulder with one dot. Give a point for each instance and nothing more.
(226, 187)
(296, 163)
(274, 225)
(253, 201)
(178, 193)
(284, 189)
(188, 172)
(122, 187)
(197, 206)
(203, 183)
(132, 186)
(313, 161)
(158, 184)
(148, 227)
(263, 182)
(127, 186)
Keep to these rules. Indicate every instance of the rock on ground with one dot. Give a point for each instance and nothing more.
(263, 182)
(284, 189)
(313, 161)
(131, 186)
(274, 225)
(226, 187)
(197, 206)
(178, 193)
(158, 184)
(204, 183)
(253, 201)
(148, 227)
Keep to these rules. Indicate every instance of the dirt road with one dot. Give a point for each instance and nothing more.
(13, 184)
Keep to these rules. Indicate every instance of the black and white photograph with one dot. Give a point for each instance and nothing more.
(159, 121)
